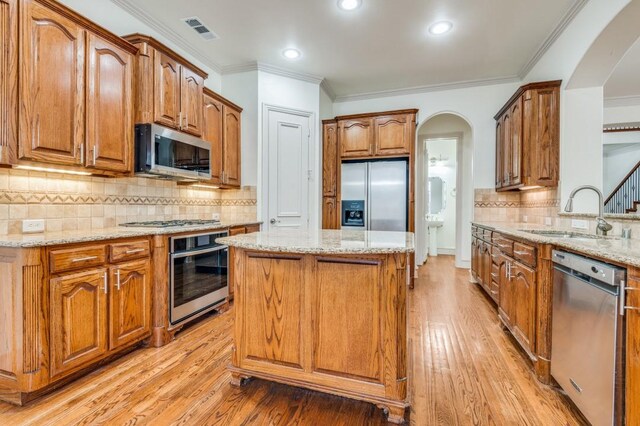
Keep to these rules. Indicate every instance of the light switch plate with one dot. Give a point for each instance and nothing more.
(579, 224)
(32, 226)
(525, 218)
(548, 221)
(215, 216)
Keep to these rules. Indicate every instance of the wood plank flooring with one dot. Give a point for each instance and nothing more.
(465, 371)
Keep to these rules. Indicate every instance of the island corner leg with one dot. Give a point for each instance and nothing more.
(239, 379)
(395, 414)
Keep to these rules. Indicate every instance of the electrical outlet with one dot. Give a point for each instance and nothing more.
(215, 216)
(548, 221)
(32, 226)
(580, 224)
(525, 218)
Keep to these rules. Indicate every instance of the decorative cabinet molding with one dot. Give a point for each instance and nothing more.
(528, 138)
(170, 89)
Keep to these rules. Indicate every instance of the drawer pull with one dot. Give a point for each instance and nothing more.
(504, 245)
(106, 284)
(134, 251)
(521, 253)
(494, 275)
(631, 308)
(84, 259)
(118, 279)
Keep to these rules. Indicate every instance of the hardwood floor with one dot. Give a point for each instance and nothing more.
(465, 371)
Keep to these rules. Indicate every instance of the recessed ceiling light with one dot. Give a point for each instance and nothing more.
(291, 54)
(440, 27)
(349, 4)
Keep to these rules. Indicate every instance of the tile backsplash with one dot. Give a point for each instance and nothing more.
(68, 202)
(541, 206)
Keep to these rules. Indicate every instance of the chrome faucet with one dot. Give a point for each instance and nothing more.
(602, 226)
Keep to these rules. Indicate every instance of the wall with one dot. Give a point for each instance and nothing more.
(447, 171)
(621, 114)
(619, 160)
(69, 203)
(109, 15)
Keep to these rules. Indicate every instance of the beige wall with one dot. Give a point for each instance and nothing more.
(69, 202)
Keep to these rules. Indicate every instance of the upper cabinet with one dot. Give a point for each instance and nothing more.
(528, 138)
(8, 81)
(66, 89)
(389, 134)
(170, 90)
(222, 129)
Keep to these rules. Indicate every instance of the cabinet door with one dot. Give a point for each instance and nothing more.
(213, 134)
(515, 144)
(540, 139)
(474, 258)
(330, 217)
(356, 137)
(524, 288)
(393, 135)
(506, 298)
(191, 98)
(130, 303)
(52, 60)
(506, 149)
(166, 102)
(632, 376)
(499, 161)
(78, 309)
(8, 81)
(486, 267)
(330, 160)
(231, 146)
(109, 106)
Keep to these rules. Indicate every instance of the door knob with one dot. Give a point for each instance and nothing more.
(273, 221)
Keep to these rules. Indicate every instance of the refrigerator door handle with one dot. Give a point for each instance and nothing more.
(367, 195)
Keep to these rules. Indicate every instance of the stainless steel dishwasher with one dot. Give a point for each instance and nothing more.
(585, 319)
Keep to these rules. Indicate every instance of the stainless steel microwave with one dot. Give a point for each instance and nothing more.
(164, 152)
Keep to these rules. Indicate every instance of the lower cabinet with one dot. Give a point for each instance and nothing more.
(78, 320)
(632, 364)
(97, 312)
(129, 303)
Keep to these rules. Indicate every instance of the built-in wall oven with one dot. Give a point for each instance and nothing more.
(198, 275)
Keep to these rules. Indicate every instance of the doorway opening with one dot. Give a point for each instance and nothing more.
(444, 188)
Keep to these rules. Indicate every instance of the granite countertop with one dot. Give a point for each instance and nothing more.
(324, 242)
(69, 237)
(614, 249)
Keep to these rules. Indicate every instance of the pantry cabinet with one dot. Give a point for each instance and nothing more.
(528, 138)
(75, 91)
(8, 81)
(170, 89)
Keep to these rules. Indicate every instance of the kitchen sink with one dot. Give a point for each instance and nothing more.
(567, 235)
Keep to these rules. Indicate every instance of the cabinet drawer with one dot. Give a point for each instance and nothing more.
(487, 234)
(505, 246)
(495, 273)
(128, 251)
(525, 254)
(237, 230)
(252, 228)
(76, 258)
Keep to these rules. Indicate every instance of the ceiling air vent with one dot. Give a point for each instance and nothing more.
(196, 24)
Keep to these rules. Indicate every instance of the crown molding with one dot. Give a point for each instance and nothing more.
(429, 88)
(324, 85)
(573, 11)
(198, 54)
(621, 101)
(271, 69)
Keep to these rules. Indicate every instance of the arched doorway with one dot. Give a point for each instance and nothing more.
(444, 186)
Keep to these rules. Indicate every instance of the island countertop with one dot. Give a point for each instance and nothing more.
(324, 242)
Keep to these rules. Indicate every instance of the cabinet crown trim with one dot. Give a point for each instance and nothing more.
(375, 114)
(531, 86)
(218, 97)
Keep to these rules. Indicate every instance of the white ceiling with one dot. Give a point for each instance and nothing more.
(382, 46)
(625, 80)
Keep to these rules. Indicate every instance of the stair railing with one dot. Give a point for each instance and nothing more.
(626, 193)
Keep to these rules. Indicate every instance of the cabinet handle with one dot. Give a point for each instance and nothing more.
(95, 154)
(84, 259)
(509, 266)
(82, 152)
(623, 296)
(180, 120)
(118, 279)
(503, 245)
(521, 253)
(494, 275)
(134, 251)
(106, 284)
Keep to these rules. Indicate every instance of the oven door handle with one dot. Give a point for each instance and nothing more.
(197, 252)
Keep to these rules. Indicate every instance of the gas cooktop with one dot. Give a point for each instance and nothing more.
(170, 223)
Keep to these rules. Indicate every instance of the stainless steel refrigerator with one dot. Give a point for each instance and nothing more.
(375, 195)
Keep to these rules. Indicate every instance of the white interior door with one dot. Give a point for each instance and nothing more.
(288, 140)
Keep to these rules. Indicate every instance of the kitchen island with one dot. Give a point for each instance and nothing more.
(324, 310)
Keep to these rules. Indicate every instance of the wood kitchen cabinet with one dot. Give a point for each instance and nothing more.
(213, 134)
(330, 158)
(632, 355)
(524, 295)
(393, 134)
(109, 106)
(129, 302)
(78, 321)
(528, 138)
(75, 91)
(330, 214)
(231, 145)
(170, 89)
(356, 137)
(9, 81)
